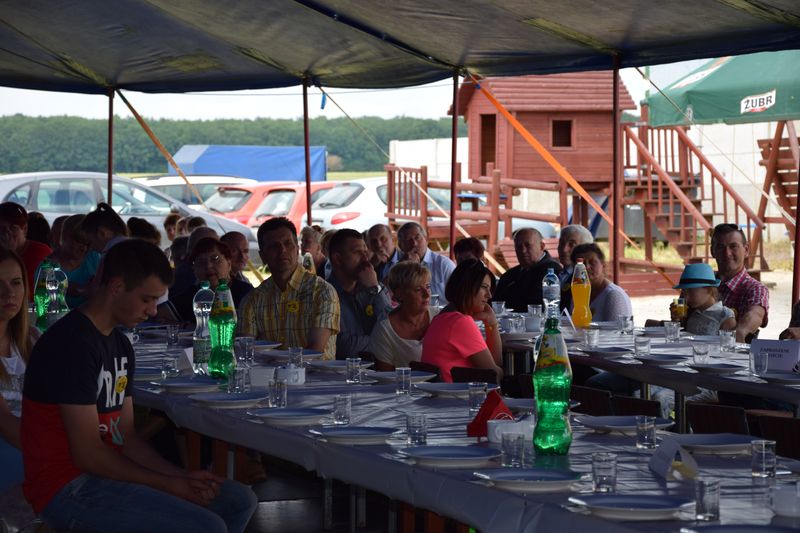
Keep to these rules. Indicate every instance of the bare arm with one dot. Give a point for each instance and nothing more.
(9, 425)
(493, 340)
(749, 322)
(91, 455)
(790, 333)
(484, 359)
(318, 338)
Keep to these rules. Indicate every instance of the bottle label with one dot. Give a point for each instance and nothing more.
(222, 306)
(551, 353)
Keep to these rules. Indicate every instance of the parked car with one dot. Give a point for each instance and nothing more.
(206, 185)
(67, 193)
(253, 204)
(360, 204)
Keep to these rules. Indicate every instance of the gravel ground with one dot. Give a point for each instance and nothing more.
(780, 306)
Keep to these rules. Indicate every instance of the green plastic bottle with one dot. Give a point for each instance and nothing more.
(222, 329)
(41, 296)
(552, 380)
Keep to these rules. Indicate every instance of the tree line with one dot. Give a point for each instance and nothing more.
(30, 144)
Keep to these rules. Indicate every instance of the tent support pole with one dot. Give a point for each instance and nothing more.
(616, 244)
(110, 141)
(307, 147)
(795, 281)
(453, 169)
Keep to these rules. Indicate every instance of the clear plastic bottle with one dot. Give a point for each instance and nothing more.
(581, 294)
(201, 340)
(222, 329)
(551, 293)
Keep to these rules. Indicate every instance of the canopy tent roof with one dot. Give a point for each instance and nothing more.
(753, 88)
(89, 46)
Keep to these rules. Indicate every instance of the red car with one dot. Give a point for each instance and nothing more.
(253, 204)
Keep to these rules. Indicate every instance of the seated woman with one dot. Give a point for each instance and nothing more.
(211, 261)
(16, 342)
(77, 261)
(453, 338)
(397, 340)
(608, 301)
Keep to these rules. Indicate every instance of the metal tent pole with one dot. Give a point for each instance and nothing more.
(110, 141)
(307, 146)
(453, 168)
(615, 243)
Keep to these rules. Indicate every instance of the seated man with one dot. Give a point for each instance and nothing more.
(748, 297)
(793, 331)
(85, 466)
(413, 242)
(522, 285)
(468, 248)
(364, 301)
(293, 307)
(311, 243)
(240, 254)
(384, 252)
(570, 237)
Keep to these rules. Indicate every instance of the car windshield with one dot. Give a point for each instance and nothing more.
(134, 199)
(276, 204)
(228, 200)
(340, 196)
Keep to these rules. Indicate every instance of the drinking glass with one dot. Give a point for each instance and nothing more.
(680, 307)
(641, 345)
(172, 336)
(763, 458)
(513, 447)
(416, 429)
(700, 353)
(246, 349)
(727, 340)
(533, 322)
(591, 336)
(237, 379)
(353, 370)
(759, 362)
(403, 380)
(516, 324)
(278, 393)
(645, 432)
(706, 495)
(342, 408)
(169, 367)
(499, 308)
(295, 356)
(434, 300)
(604, 472)
(626, 325)
(672, 331)
(477, 395)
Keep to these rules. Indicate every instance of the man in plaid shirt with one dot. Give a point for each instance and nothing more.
(741, 292)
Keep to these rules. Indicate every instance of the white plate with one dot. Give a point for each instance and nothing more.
(283, 355)
(452, 390)
(522, 336)
(189, 385)
(621, 424)
(607, 325)
(451, 456)
(355, 435)
(605, 351)
(652, 331)
(337, 366)
(716, 368)
(520, 405)
(660, 359)
(417, 376)
(715, 443)
(784, 378)
(711, 339)
(290, 417)
(228, 401)
(632, 506)
(529, 479)
(146, 373)
(260, 346)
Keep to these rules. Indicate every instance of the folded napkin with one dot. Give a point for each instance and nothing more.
(664, 464)
(493, 408)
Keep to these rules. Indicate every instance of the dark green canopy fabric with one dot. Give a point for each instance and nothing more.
(90, 46)
(753, 88)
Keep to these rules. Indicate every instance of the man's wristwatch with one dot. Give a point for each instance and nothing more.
(376, 290)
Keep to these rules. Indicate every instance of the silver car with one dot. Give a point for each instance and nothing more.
(67, 193)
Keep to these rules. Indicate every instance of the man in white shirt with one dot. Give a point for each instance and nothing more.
(413, 243)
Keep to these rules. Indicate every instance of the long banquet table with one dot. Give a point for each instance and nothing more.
(456, 493)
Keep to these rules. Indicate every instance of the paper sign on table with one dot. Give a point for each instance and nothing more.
(493, 407)
(664, 465)
(186, 360)
(783, 355)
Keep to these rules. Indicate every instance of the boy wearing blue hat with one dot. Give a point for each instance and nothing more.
(706, 315)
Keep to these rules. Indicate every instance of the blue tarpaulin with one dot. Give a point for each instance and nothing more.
(262, 163)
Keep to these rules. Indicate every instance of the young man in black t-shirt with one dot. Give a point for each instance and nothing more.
(85, 466)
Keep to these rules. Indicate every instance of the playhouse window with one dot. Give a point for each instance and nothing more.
(562, 133)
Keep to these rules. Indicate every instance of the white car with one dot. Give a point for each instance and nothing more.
(360, 204)
(205, 184)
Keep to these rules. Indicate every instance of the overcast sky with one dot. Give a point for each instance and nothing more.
(427, 101)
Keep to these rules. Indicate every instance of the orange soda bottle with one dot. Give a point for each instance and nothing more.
(581, 292)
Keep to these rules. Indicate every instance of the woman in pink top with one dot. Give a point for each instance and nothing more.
(453, 338)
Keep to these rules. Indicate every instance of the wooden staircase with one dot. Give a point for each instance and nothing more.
(781, 157)
(682, 194)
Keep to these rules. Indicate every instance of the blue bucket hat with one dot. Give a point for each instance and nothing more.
(697, 275)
